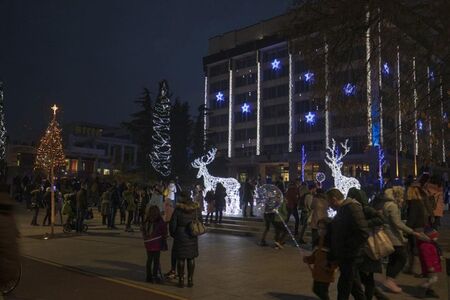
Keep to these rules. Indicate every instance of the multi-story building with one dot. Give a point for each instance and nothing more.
(266, 102)
(98, 149)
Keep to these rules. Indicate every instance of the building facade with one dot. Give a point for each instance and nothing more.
(271, 109)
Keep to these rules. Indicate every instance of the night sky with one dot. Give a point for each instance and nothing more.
(93, 57)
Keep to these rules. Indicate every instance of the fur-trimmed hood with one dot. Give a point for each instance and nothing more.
(188, 206)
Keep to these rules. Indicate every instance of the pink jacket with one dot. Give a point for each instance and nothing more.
(429, 257)
(154, 240)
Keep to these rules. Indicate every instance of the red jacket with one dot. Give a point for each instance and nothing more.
(156, 238)
(429, 257)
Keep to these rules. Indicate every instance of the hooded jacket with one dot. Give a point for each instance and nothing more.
(349, 231)
(185, 246)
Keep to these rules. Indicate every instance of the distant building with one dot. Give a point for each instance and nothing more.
(98, 149)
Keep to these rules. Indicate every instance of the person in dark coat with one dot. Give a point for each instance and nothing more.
(47, 199)
(82, 206)
(185, 246)
(247, 197)
(219, 204)
(36, 203)
(348, 237)
(369, 266)
(115, 205)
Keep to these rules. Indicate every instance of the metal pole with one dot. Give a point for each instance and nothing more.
(52, 192)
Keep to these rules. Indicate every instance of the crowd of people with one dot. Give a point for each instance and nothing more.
(407, 216)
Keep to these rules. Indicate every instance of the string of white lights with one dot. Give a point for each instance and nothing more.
(400, 142)
(441, 94)
(291, 108)
(160, 157)
(258, 107)
(205, 117)
(327, 99)
(230, 113)
(430, 137)
(2, 126)
(380, 82)
(416, 136)
(368, 80)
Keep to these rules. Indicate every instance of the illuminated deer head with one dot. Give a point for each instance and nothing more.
(202, 162)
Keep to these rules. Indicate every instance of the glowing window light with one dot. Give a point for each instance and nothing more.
(349, 89)
(245, 108)
(231, 185)
(220, 97)
(310, 118)
(309, 77)
(276, 64)
(386, 69)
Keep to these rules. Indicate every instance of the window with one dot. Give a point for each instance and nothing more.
(245, 62)
(303, 127)
(244, 151)
(219, 137)
(214, 104)
(300, 67)
(275, 54)
(245, 134)
(275, 111)
(245, 97)
(276, 130)
(302, 87)
(218, 86)
(276, 92)
(311, 146)
(270, 74)
(218, 69)
(305, 106)
(217, 121)
(246, 117)
(275, 149)
(245, 80)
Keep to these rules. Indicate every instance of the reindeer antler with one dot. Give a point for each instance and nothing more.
(346, 149)
(332, 155)
(197, 163)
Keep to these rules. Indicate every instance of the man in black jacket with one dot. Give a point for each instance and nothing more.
(348, 236)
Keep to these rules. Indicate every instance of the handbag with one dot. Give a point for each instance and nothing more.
(196, 227)
(379, 245)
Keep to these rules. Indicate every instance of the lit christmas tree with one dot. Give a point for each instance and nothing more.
(50, 155)
(2, 135)
(161, 154)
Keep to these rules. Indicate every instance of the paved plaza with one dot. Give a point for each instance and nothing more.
(109, 264)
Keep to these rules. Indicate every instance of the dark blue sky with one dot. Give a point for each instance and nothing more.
(93, 57)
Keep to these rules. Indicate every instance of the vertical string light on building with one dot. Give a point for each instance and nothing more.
(416, 137)
(230, 112)
(399, 116)
(258, 105)
(368, 80)
(291, 108)
(380, 81)
(2, 135)
(430, 140)
(327, 98)
(205, 118)
(441, 95)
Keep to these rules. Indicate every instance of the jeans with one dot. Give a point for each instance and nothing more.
(397, 261)
(246, 203)
(294, 212)
(35, 216)
(130, 218)
(369, 284)
(81, 213)
(152, 264)
(349, 282)
(112, 217)
(321, 290)
(48, 212)
(268, 219)
(219, 213)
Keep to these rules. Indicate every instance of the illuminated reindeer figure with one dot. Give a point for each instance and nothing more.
(334, 161)
(231, 185)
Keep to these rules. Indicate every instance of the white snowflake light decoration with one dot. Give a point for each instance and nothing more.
(220, 97)
(334, 161)
(231, 185)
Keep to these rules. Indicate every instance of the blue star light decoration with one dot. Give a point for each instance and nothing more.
(386, 69)
(220, 97)
(431, 75)
(309, 77)
(276, 64)
(349, 89)
(310, 118)
(420, 124)
(245, 108)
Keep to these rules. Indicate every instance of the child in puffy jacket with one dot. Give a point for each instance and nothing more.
(323, 271)
(154, 232)
(430, 261)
